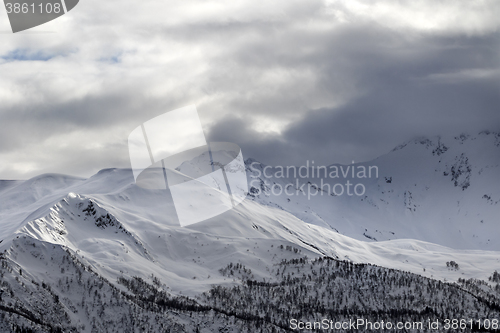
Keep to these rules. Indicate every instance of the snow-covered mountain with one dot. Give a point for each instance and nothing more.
(440, 190)
(102, 254)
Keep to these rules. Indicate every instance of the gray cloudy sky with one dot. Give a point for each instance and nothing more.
(330, 81)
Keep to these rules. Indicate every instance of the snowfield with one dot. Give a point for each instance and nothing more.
(435, 202)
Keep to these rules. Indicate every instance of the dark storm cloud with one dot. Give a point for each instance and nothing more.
(266, 148)
(330, 81)
(402, 97)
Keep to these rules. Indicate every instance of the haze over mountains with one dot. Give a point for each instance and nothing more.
(441, 190)
(86, 253)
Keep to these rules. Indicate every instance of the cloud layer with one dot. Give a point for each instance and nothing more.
(330, 81)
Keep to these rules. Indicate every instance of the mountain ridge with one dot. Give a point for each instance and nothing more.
(102, 254)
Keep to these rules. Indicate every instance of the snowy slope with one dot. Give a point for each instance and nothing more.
(54, 229)
(133, 231)
(439, 190)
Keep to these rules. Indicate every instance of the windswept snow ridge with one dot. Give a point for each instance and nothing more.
(102, 254)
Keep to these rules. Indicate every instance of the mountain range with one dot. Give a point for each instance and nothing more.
(104, 255)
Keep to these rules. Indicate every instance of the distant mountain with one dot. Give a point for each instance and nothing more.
(104, 255)
(440, 190)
